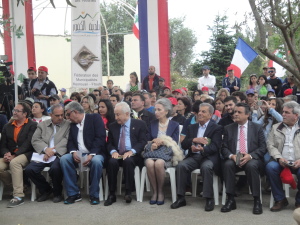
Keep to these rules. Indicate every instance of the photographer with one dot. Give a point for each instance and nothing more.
(42, 88)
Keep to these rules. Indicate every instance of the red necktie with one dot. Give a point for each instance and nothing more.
(122, 148)
(242, 141)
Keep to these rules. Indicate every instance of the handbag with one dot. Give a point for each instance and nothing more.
(163, 152)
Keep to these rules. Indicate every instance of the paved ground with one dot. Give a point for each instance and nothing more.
(34, 213)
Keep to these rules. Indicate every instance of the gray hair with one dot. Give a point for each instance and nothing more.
(166, 103)
(55, 106)
(210, 107)
(292, 105)
(75, 106)
(291, 98)
(124, 106)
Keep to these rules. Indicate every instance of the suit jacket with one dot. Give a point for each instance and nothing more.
(94, 135)
(172, 130)
(43, 133)
(24, 139)
(255, 141)
(211, 151)
(138, 136)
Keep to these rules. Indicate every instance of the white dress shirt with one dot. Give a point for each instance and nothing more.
(209, 81)
(288, 151)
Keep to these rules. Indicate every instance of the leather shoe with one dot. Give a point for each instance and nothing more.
(110, 200)
(210, 204)
(179, 203)
(128, 198)
(44, 196)
(229, 205)
(57, 199)
(257, 208)
(279, 205)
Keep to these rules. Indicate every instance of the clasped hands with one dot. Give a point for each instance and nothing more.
(197, 144)
(48, 153)
(127, 154)
(243, 160)
(156, 143)
(8, 157)
(77, 159)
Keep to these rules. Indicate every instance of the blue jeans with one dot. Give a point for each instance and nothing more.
(70, 174)
(273, 170)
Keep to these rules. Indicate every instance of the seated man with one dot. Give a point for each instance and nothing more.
(243, 148)
(126, 140)
(283, 146)
(16, 151)
(203, 142)
(86, 138)
(50, 139)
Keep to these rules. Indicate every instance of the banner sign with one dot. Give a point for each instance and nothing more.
(86, 44)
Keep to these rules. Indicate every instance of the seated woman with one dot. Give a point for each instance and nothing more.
(88, 104)
(184, 107)
(106, 110)
(39, 112)
(160, 132)
(196, 95)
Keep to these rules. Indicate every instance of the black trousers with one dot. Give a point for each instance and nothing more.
(128, 165)
(252, 168)
(34, 169)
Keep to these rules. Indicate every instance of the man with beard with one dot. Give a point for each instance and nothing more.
(230, 103)
(151, 81)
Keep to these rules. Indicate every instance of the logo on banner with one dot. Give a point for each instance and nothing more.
(85, 58)
(86, 24)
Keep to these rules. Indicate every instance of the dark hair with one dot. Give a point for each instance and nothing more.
(230, 98)
(44, 113)
(109, 81)
(241, 95)
(31, 69)
(252, 75)
(187, 103)
(272, 68)
(128, 93)
(193, 95)
(26, 109)
(93, 96)
(245, 106)
(147, 93)
(97, 90)
(116, 96)
(278, 108)
(76, 95)
(122, 92)
(195, 107)
(136, 77)
(140, 95)
(110, 115)
(265, 78)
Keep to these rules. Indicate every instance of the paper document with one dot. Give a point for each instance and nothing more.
(40, 158)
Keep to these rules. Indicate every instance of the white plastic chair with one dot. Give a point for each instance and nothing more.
(144, 178)
(287, 194)
(137, 179)
(215, 185)
(1, 189)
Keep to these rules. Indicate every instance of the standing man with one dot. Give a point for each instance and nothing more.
(86, 140)
(42, 88)
(16, 151)
(231, 82)
(50, 139)
(207, 80)
(283, 146)
(274, 81)
(243, 148)
(126, 140)
(151, 81)
(203, 142)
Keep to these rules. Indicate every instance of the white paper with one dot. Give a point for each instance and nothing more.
(40, 158)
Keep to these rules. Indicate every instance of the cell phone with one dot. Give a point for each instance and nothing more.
(290, 163)
(259, 103)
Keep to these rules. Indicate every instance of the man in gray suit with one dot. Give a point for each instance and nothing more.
(50, 139)
(243, 148)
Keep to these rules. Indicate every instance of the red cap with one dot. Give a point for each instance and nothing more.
(288, 92)
(184, 88)
(43, 68)
(67, 101)
(205, 89)
(230, 68)
(177, 90)
(287, 177)
(173, 101)
(32, 68)
(166, 87)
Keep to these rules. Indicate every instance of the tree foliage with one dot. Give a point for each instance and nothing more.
(182, 42)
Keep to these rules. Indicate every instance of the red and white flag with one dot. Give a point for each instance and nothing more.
(135, 27)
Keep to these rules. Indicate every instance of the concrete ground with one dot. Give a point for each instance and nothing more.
(44, 213)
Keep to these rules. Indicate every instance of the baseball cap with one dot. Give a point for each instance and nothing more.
(250, 92)
(271, 90)
(166, 87)
(288, 92)
(32, 68)
(205, 89)
(230, 68)
(63, 89)
(184, 88)
(43, 68)
(177, 90)
(205, 68)
(173, 101)
(55, 97)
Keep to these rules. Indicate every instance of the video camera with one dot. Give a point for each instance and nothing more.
(5, 66)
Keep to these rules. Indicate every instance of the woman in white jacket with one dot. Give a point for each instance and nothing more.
(134, 84)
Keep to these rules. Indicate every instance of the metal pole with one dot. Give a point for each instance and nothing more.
(107, 47)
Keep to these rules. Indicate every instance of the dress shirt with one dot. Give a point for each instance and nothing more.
(209, 81)
(288, 151)
(201, 131)
(127, 138)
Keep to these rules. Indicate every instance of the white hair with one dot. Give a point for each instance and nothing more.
(124, 106)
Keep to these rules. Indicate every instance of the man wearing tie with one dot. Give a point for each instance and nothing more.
(126, 140)
(243, 148)
(50, 139)
(86, 138)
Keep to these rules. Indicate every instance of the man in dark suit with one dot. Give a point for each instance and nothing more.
(86, 143)
(16, 151)
(245, 140)
(126, 140)
(203, 142)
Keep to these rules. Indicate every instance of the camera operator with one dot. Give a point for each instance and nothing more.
(31, 73)
(42, 88)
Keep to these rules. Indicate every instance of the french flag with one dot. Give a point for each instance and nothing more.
(154, 37)
(243, 56)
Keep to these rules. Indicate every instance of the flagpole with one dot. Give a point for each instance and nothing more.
(107, 47)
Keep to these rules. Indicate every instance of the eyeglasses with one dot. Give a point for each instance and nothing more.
(17, 111)
(271, 71)
(68, 114)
